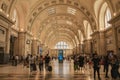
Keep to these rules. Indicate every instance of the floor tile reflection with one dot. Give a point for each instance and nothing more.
(61, 71)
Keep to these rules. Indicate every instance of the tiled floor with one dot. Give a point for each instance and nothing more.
(63, 71)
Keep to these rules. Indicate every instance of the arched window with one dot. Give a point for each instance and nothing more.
(15, 18)
(76, 39)
(61, 45)
(80, 36)
(88, 29)
(107, 17)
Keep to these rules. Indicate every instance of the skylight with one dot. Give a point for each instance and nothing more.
(51, 10)
(71, 10)
(61, 45)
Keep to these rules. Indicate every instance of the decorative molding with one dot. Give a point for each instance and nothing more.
(115, 19)
(4, 6)
(6, 19)
(43, 6)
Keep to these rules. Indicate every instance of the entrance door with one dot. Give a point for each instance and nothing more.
(12, 43)
(60, 55)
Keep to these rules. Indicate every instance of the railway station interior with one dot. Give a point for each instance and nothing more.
(62, 29)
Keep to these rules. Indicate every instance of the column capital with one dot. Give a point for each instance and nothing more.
(115, 19)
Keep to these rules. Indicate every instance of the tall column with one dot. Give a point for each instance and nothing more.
(34, 46)
(7, 41)
(87, 46)
(95, 41)
(80, 48)
(98, 42)
(16, 46)
(21, 38)
(114, 39)
(77, 49)
(102, 49)
(5, 24)
(115, 21)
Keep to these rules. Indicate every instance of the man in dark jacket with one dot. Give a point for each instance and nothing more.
(96, 66)
(47, 60)
(106, 65)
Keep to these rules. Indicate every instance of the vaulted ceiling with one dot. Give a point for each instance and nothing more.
(52, 21)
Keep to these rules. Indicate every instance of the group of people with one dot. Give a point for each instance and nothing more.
(32, 62)
(79, 61)
(15, 59)
(109, 60)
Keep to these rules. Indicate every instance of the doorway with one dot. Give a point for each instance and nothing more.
(12, 45)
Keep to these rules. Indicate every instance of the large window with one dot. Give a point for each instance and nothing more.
(61, 45)
(15, 18)
(87, 28)
(107, 17)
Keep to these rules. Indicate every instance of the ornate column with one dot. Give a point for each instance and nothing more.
(102, 49)
(5, 25)
(95, 41)
(77, 49)
(34, 46)
(115, 21)
(87, 46)
(21, 38)
(16, 46)
(7, 49)
(98, 42)
(80, 48)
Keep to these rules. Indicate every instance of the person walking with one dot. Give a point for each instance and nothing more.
(96, 66)
(41, 63)
(106, 65)
(47, 60)
(32, 63)
(115, 67)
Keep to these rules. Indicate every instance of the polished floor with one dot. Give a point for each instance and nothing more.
(60, 71)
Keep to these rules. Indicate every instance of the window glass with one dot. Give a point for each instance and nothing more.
(61, 45)
(71, 10)
(107, 18)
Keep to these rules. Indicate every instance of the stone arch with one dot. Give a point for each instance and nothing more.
(53, 3)
(97, 6)
(81, 37)
(20, 19)
(87, 28)
(101, 16)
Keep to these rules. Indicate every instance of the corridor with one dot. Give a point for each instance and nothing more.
(62, 29)
(61, 71)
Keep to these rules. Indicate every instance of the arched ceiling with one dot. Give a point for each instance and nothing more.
(51, 21)
(45, 23)
(54, 20)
